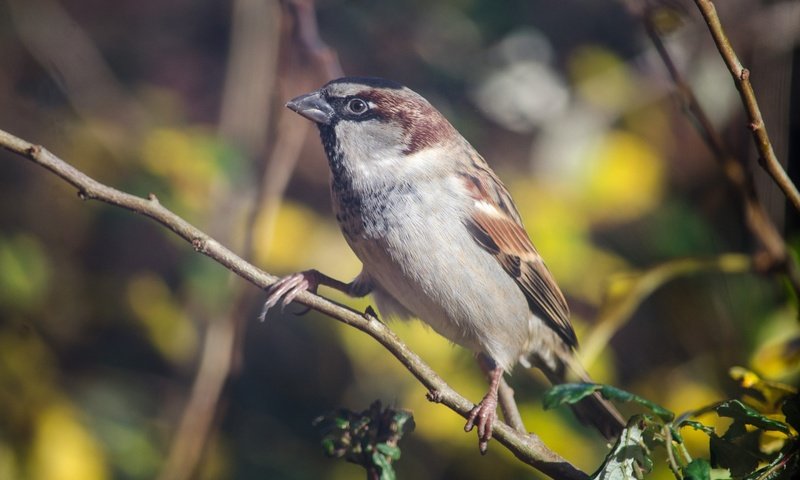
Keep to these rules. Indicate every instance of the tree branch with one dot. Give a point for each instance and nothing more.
(528, 448)
(741, 77)
(756, 217)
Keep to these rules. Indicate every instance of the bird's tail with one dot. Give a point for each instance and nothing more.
(593, 410)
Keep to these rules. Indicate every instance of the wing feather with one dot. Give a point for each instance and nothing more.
(496, 226)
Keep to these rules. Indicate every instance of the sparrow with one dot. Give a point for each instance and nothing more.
(440, 239)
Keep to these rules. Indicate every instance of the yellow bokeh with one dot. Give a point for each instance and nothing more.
(601, 77)
(282, 236)
(579, 448)
(163, 318)
(624, 178)
(9, 467)
(187, 159)
(558, 225)
(685, 394)
(778, 353)
(297, 238)
(63, 449)
(559, 232)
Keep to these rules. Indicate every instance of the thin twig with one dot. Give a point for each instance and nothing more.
(616, 311)
(756, 217)
(673, 463)
(528, 448)
(741, 77)
(505, 397)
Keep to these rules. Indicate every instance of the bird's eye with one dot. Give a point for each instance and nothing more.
(357, 106)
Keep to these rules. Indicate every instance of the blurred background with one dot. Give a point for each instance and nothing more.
(125, 354)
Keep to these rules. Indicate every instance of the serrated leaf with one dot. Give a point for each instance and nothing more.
(740, 412)
(571, 393)
(568, 393)
(697, 426)
(652, 435)
(368, 438)
(613, 393)
(698, 469)
(623, 462)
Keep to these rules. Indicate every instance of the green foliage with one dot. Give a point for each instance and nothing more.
(369, 438)
(629, 455)
(697, 469)
(744, 415)
(736, 453)
(574, 392)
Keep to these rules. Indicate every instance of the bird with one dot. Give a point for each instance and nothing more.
(439, 238)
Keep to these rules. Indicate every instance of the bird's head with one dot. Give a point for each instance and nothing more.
(373, 121)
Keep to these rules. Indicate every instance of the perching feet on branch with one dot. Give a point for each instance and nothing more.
(485, 413)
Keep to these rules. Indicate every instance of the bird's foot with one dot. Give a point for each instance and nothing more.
(483, 416)
(287, 288)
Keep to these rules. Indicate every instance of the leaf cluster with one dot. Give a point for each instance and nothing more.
(369, 438)
(740, 452)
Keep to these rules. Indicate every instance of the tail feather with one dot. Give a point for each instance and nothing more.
(593, 410)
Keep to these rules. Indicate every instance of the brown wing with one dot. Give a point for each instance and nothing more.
(495, 224)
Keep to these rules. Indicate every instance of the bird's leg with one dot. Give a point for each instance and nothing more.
(287, 288)
(485, 413)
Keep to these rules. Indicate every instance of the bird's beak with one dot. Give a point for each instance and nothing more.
(312, 106)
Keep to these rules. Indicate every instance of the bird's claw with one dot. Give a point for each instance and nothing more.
(287, 288)
(483, 416)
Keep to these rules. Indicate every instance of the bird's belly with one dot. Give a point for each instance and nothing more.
(426, 260)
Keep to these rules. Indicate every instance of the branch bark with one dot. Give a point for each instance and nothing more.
(528, 448)
(741, 77)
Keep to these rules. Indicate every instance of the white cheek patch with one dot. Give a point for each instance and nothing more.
(368, 145)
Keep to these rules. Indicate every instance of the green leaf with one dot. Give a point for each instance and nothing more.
(369, 438)
(740, 412)
(390, 451)
(612, 393)
(628, 455)
(698, 469)
(568, 393)
(571, 393)
(697, 426)
(676, 434)
(385, 466)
